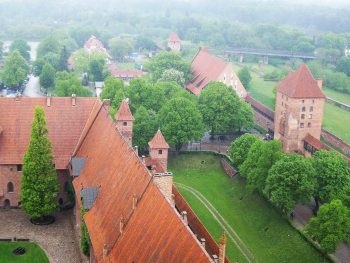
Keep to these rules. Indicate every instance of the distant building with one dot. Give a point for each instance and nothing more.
(299, 111)
(125, 74)
(174, 42)
(206, 67)
(93, 44)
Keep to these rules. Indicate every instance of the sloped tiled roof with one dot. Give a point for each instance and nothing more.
(124, 73)
(173, 37)
(158, 141)
(205, 68)
(94, 44)
(124, 113)
(300, 84)
(151, 231)
(317, 144)
(64, 121)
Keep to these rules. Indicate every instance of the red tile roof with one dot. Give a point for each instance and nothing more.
(173, 37)
(300, 84)
(151, 232)
(124, 113)
(94, 44)
(154, 163)
(64, 121)
(125, 73)
(158, 141)
(317, 144)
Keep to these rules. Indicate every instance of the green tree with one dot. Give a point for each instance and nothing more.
(244, 76)
(240, 147)
(167, 60)
(331, 226)
(344, 65)
(173, 75)
(22, 47)
(290, 181)
(63, 60)
(38, 66)
(82, 60)
(68, 84)
(1, 49)
(145, 126)
(39, 185)
(119, 48)
(333, 175)
(48, 45)
(113, 90)
(146, 43)
(15, 69)
(47, 77)
(222, 109)
(96, 69)
(180, 122)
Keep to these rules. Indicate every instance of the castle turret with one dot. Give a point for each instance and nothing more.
(299, 109)
(125, 121)
(158, 149)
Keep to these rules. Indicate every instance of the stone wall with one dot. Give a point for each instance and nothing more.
(229, 170)
(164, 183)
(335, 141)
(264, 122)
(338, 104)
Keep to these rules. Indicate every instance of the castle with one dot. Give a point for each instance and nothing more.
(134, 213)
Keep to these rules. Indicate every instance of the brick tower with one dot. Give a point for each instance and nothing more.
(125, 121)
(299, 109)
(158, 149)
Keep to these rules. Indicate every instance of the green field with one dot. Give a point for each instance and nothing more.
(34, 254)
(263, 91)
(339, 96)
(336, 120)
(266, 234)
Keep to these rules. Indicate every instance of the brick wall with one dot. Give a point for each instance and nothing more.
(335, 141)
(9, 173)
(196, 225)
(229, 170)
(164, 183)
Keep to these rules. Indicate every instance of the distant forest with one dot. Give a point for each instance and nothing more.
(195, 20)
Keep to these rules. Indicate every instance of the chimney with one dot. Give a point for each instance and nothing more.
(320, 83)
(215, 258)
(184, 217)
(202, 240)
(222, 248)
(74, 98)
(48, 100)
(136, 150)
(105, 251)
(143, 159)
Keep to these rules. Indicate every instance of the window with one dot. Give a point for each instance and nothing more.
(10, 187)
(302, 125)
(309, 125)
(19, 167)
(125, 123)
(282, 103)
(302, 116)
(313, 101)
(310, 116)
(303, 109)
(302, 101)
(160, 151)
(311, 108)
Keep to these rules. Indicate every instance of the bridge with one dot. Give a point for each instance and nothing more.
(270, 53)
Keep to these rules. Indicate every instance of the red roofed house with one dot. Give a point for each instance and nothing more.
(93, 44)
(206, 68)
(174, 42)
(125, 74)
(132, 215)
(299, 110)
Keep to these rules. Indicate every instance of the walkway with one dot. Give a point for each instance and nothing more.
(58, 240)
(231, 234)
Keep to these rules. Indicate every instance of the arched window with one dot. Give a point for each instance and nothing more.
(10, 187)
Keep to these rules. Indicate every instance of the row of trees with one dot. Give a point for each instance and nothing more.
(290, 179)
(181, 116)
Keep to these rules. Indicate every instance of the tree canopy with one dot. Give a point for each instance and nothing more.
(240, 147)
(331, 226)
(244, 76)
(15, 69)
(113, 90)
(291, 180)
(180, 122)
(22, 47)
(120, 48)
(68, 84)
(145, 126)
(47, 77)
(39, 185)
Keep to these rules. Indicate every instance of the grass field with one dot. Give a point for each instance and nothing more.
(268, 236)
(33, 253)
(336, 120)
(339, 96)
(263, 91)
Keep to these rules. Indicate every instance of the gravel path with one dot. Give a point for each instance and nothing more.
(58, 239)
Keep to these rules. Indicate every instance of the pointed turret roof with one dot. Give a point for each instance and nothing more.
(124, 113)
(173, 37)
(300, 84)
(158, 141)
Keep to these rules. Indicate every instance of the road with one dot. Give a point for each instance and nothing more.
(32, 88)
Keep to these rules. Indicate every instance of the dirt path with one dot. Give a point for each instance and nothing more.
(222, 222)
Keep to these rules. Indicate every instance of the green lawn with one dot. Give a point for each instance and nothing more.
(336, 120)
(267, 235)
(339, 96)
(34, 254)
(263, 91)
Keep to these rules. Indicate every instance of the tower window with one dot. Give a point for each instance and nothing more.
(125, 123)
(19, 167)
(303, 101)
(302, 116)
(310, 116)
(160, 151)
(303, 109)
(10, 187)
(311, 108)
(302, 125)
(309, 125)
(282, 103)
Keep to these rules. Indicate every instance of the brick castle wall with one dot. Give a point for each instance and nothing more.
(165, 184)
(335, 141)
